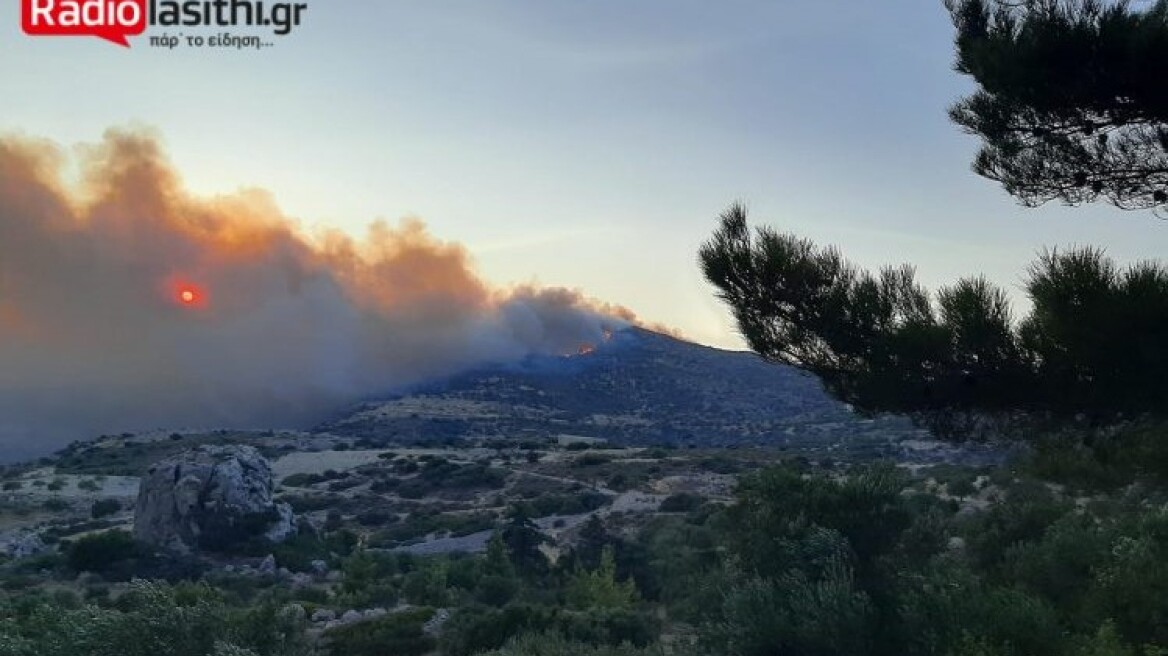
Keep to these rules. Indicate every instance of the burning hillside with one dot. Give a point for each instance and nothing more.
(637, 387)
(126, 301)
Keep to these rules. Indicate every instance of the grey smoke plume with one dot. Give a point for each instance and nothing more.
(128, 303)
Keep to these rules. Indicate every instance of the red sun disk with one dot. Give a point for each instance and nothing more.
(187, 294)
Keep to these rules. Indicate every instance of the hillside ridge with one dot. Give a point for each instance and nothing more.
(638, 387)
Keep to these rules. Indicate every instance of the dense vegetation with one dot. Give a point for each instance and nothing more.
(149, 619)
(860, 560)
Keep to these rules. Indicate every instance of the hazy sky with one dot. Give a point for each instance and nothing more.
(582, 143)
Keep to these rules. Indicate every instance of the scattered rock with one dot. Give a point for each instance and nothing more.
(434, 624)
(374, 612)
(324, 615)
(268, 565)
(295, 612)
(210, 497)
(351, 616)
(24, 545)
(319, 567)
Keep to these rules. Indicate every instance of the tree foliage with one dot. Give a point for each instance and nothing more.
(784, 519)
(1071, 103)
(523, 539)
(599, 588)
(554, 644)
(1095, 341)
(153, 619)
(399, 633)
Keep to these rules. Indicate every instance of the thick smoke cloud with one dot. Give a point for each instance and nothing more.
(276, 328)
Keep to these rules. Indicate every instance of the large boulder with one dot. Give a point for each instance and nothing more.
(211, 498)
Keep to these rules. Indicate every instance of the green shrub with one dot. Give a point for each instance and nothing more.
(781, 513)
(414, 489)
(56, 505)
(426, 586)
(554, 644)
(591, 460)
(297, 552)
(301, 480)
(573, 503)
(307, 503)
(473, 629)
(600, 588)
(1024, 516)
(962, 486)
(237, 534)
(795, 614)
(104, 507)
(496, 590)
(384, 485)
(949, 610)
(400, 634)
(681, 502)
(610, 626)
(101, 551)
(152, 619)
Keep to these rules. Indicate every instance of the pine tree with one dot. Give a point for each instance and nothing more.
(523, 539)
(1094, 345)
(1072, 103)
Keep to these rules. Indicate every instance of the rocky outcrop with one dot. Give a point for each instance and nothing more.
(211, 498)
(23, 545)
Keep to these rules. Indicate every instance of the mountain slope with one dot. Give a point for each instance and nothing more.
(638, 387)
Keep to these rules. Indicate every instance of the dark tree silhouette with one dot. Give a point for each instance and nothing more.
(523, 538)
(1072, 102)
(1095, 344)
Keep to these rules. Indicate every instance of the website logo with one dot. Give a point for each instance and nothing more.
(117, 20)
(112, 20)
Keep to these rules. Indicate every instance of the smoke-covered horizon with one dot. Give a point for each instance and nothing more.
(127, 303)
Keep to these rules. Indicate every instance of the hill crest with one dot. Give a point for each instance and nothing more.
(637, 387)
